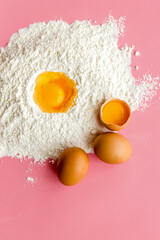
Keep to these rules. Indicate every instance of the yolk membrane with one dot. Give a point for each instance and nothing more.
(114, 113)
(52, 94)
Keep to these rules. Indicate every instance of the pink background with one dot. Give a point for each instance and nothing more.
(112, 202)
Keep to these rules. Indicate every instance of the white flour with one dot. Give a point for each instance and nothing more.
(30, 179)
(86, 53)
(137, 53)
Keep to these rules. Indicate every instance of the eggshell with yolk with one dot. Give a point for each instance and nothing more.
(115, 114)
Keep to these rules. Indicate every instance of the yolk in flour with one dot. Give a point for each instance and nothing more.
(54, 92)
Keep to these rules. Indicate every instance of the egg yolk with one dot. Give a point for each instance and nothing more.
(54, 92)
(115, 113)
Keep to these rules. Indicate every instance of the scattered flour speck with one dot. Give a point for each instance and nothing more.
(30, 179)
(137, 53)
(136, 67)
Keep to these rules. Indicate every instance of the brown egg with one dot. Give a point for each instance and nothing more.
(112, 148)
(72, 166)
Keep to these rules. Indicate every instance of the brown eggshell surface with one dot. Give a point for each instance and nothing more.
(72, 166)
(112, 148)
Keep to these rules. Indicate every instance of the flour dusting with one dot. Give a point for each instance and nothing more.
(30, 179)
(137, 53)
(86, 53)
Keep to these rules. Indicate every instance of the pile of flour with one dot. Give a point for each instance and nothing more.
(86, 53)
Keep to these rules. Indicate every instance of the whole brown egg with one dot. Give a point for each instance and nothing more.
(72, 166)
(112, 148)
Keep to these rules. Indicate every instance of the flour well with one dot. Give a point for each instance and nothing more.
(86, 53)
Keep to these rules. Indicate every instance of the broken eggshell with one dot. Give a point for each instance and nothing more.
(115, 114)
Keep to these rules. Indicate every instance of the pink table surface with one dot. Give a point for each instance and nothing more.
(112, 202)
